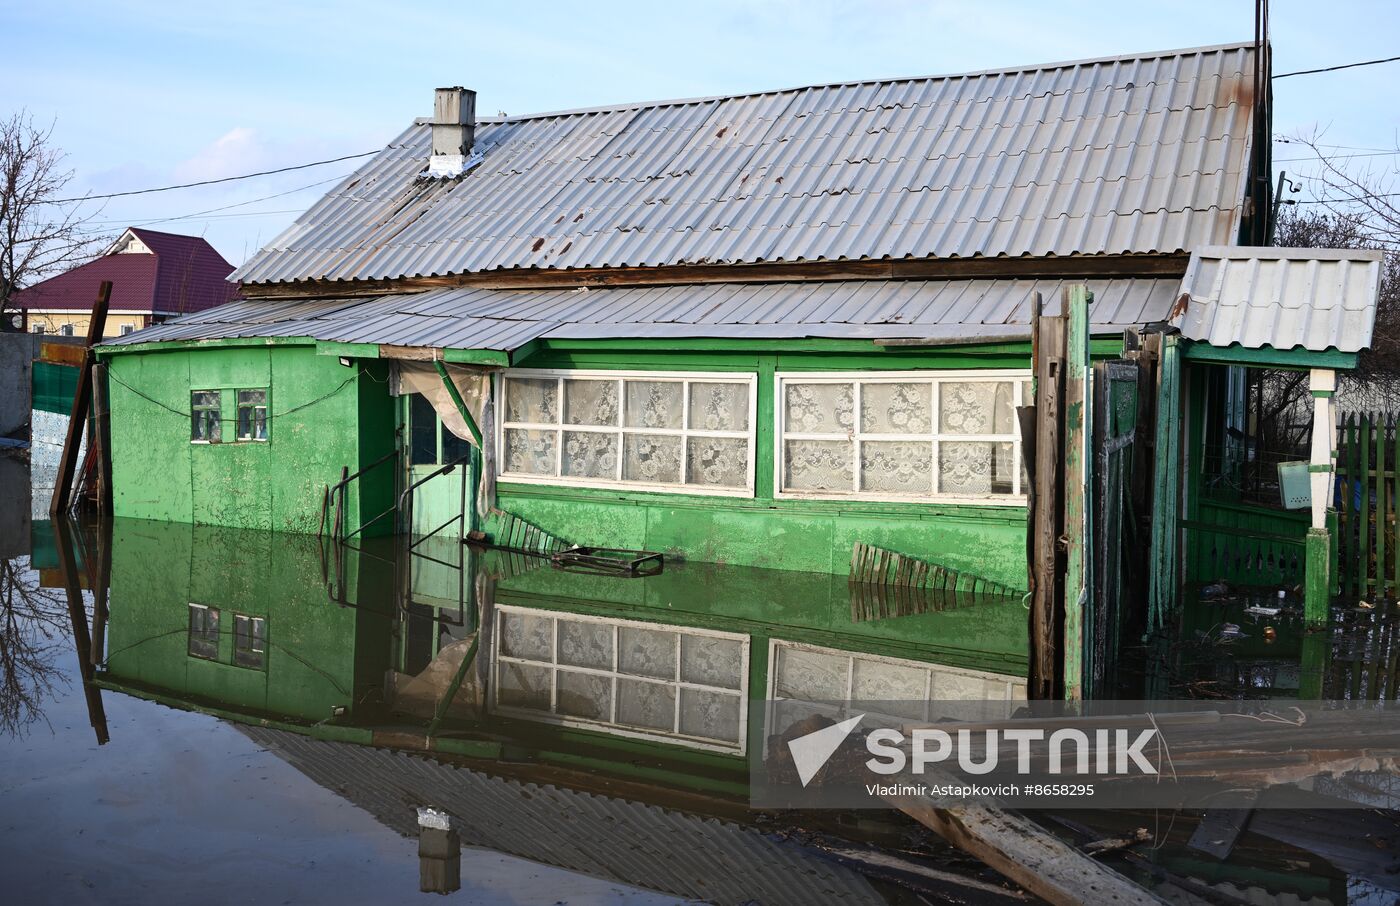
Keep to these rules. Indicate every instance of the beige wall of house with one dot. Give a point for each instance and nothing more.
(54, 322)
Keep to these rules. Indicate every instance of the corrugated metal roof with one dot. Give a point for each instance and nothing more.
(636, 843)
(506, 319)
(1316, 299)
(1134, 154)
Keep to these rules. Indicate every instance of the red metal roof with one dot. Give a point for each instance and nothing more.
(181, 274)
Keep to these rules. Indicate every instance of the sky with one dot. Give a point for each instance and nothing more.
(149, 93)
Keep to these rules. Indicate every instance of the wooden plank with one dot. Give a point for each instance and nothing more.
(82, 399)
(1381, 507)
(1044, 668)
(1026, 853)
(1084, 266)
(1364, 566)
(1078, 483)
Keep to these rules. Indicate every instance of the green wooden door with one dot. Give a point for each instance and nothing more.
(429, 446)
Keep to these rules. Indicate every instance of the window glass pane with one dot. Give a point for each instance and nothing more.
(586, 644)
(654, 458)
(528, 636)
(818, 465)
(530, 452)
(655, 404)
(422, 424)
(204, 632)
(711, 661)
(719, 407)
(248, 650)
(646, 652)
(651, 706)
(205, 398)
(204, 416)
(975, 407)
(590, 402)
(974, 467)
(584, 695)
(710, 715)
(589, 454)
(811, 676)
(717, 461)
(251, 423)
(898, 408)
(524, 686)
(252, 397)
(878, 681)
(453, 447)
(533, 400)
(818, 408)
(896, 467)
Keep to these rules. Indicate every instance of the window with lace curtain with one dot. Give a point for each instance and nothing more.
(908, 436)
(652, 431)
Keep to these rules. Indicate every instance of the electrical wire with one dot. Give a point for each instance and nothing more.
(1284, 75)
(210, 182)
(270, 416)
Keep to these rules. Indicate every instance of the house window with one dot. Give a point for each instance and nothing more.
(128, 328)
(647, 680)
(902, 688)
(430, 443)
(204, 632)
(36, 328)
(204, 417)
(66, 330)
(249, 641)
(908, 436)
(252, 415)
(672, 431)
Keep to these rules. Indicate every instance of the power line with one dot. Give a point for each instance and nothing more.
(1292, 160)
(210, 182)
(1284, 75)
(212, 212)
(1357, 198)
(1299, 141)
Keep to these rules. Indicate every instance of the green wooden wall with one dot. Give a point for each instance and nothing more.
(324, 416)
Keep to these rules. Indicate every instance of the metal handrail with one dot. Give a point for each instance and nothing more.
(337, 491)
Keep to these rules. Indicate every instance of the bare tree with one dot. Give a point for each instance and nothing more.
(34, 632)
(40, 235)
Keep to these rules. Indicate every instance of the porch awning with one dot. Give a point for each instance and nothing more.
(1317, 300)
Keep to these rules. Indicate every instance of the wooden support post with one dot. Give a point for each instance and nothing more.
(1078, 464)
(1166, 485)
(1046, 511)
(82, 398)
(1317, 589)
(102, 437)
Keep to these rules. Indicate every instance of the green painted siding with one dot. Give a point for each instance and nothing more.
(323, 416)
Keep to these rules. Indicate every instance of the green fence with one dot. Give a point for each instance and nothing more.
(54, 387)
(1246, 545)
(1368, 480)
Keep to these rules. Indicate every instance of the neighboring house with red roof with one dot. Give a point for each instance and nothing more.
(154, 276)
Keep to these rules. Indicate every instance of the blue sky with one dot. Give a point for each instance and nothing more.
(148, 93)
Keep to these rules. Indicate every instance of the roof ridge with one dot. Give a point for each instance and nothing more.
(1006, 70)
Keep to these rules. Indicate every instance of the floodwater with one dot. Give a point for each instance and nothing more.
(200, 714)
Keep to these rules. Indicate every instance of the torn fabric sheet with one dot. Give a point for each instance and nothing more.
(473, 384)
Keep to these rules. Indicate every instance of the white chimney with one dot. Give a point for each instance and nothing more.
(454, 130)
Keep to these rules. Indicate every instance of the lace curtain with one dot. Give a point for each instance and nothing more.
(897, 426)
(629, 416)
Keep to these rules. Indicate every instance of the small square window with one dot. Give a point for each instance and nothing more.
(204, 416)
(204, 632)
(66, 330)
(249, 641)
(128, 328)
(252, 415)
(36, 328)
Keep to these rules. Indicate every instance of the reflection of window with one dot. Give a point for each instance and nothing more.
(252, 415)
(249, 641)
(905, 436)
(902, 688)
(204, 632)
(672, 431)
(204, 416)
(637, 679)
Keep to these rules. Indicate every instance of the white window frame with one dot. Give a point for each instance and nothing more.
(1013, 684)
(857, 437)
(685, 378)
(616, 674)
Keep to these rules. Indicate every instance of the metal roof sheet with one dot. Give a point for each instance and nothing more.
(1135, 154)
(1316, 299)
(637, 843)
(506, 319)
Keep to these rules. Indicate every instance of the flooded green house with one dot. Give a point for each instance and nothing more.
(763, 331)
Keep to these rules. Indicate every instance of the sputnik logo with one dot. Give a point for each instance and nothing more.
(811, 752)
